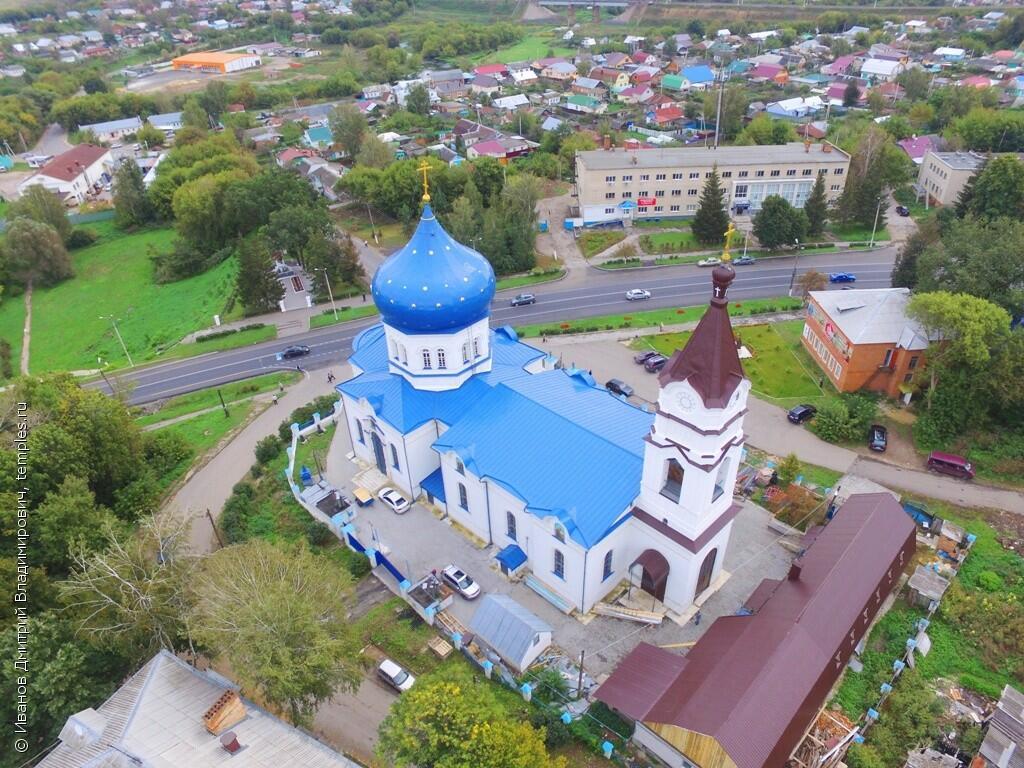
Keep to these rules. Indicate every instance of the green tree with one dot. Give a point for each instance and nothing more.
(198, 207)
(374, 153)
(962, 331)
(131, 205)
(915, 83)
(417, 100)
(328, 259)
(94, 84)
(811, 280)
(816, 207)
(735, 102)
(134, 596)
(69, 519)
(764, 129)
(876, 102)
(35, 254)
(464, 221)
(905, 268)
(982, 258)
(279, 616)
(789, 468)
(194, 116)
(150, 137)
(576, 142)
(851, 94)
(996, 190)
(258, 288)
(214, 98)
(921, 115)
(876, 165)
(290, 228)
(779, 223)
(39, 204)
(348, 127)
(711, 220)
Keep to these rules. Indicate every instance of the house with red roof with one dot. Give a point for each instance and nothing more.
(975, 81)
(641, 76)
(769, 73)
(843, 65)
(492, 70)
(837, 92)
(917, 147)
(290, 155)
(635, 94)
(74, 174)
(644, 59)
(502, 148)
(666, 116)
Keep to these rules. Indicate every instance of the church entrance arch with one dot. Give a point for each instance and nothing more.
(706, 569)
(654, 573)
(378, 453)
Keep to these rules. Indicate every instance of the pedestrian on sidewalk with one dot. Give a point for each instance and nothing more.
(298, 368)
(364, 297)
(280, 387)
(275, 400)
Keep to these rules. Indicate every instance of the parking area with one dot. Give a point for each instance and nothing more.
(418, 542)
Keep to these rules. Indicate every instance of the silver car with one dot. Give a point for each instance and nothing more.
(460, 581)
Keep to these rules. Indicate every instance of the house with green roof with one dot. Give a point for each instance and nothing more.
(578, 102)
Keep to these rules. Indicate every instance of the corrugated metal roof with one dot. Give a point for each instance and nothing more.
(872, 315)
(508, 628)
(753, 683)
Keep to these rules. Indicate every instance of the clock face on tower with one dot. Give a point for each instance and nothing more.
(684, 401)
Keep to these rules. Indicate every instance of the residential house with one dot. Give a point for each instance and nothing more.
(171, 713)
(112, 130)
(929, 758)
(288, 156)
(318, 137)
(382, 91)
(666, 117)
(746, 693)
(644, 59)
(510, 631)
(917, 147)
(485, 84)
(975, 81)
(891, 91)
(697, 78)
(1003, 746)
(444, 76)
(524, 77)
(635, 94)
(589, 86)
(880, 70)
(469, 132)
(796, 108)
(73, 174)
(642, 76)
(950, 55)
(497, 71)
(562, 71)
(588, 105)
(773, 73)
(446, 154)
(446, 90)
(672, 83)
(502, 148)
(511, 103)
(168, 122)
(683, 41)
(863, 339)
(616, 60)
(613, 78)
(836, 94)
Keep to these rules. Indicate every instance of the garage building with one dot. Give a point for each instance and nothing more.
(215, 61)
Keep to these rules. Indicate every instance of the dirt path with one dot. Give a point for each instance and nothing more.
(26, 333)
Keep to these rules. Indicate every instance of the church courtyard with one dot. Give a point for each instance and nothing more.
(419, 542)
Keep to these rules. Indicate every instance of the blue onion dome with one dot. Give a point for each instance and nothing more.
(434, 283)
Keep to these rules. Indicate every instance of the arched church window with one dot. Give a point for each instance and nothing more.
(720, 479)
(426, 360)
(559, 569)
(559, 532)
(607, 570)
(465, 352)
(673, 480)
(405, 357)
(476, 346)
(441, 363)
(510, 525)
(394, 348)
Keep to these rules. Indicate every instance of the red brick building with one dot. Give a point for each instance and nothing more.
(863, 339)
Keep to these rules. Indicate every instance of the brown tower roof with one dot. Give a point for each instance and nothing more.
(709, 361)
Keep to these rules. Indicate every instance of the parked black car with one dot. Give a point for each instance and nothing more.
(878, 438)
(619, 387)
(655, 363)
(642, 357)
(902, 210)
(523, 299)
(801, 413)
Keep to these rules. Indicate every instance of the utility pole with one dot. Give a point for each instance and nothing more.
(103, 373)
(113, 321)
(718, 113)
(220, 542)
(796, 258)
(373, 229)
(330, 294)
(222, 404)
(579, 684)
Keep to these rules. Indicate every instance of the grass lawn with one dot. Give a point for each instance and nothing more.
(344, 315)
(533, 278)
(529, 48)
(207, 398)
(592, 243)
(855, 233)
(115, 277)
(644, 319)
(670, 242)
(204, 432)
(231, 341)
(776, 372)
(356, 222)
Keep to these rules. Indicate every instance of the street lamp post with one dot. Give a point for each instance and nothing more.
(113, 322)
(330, 294)
(102, 364)
(874, 227)
(796, 258)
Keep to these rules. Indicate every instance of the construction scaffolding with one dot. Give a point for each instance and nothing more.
(825, 743)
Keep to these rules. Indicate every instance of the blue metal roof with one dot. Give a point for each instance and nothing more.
(699, 74)
(433, 283)
(434, 485)
(550, 440)
(511, 557)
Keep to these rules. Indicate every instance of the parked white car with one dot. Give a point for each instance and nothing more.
(460, 581)
(394, 499)
(395, 676)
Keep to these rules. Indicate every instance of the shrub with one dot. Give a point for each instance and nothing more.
(79, 238)
(788, 469)
(268, 449)
(556, 733)
(6, 368)
(238, 509)
(846, 419)
(165, 450)
(322, 405)
(318, 534)
(990, 581)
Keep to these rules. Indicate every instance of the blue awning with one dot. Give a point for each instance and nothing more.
(434, 485)
(511, 557)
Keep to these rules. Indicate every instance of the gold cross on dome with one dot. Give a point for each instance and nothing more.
(728, 237)
(423, 168)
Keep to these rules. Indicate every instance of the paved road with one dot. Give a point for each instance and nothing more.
(600, 293)
(53, 141)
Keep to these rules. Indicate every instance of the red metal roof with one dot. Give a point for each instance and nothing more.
(753, 683)
(69, 165)
(709, 361)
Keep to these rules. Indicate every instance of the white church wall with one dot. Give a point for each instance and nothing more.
(502, 502)
(465, 352)
(474, 514)
(597, 586)
(542, 545)
(421, 458)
